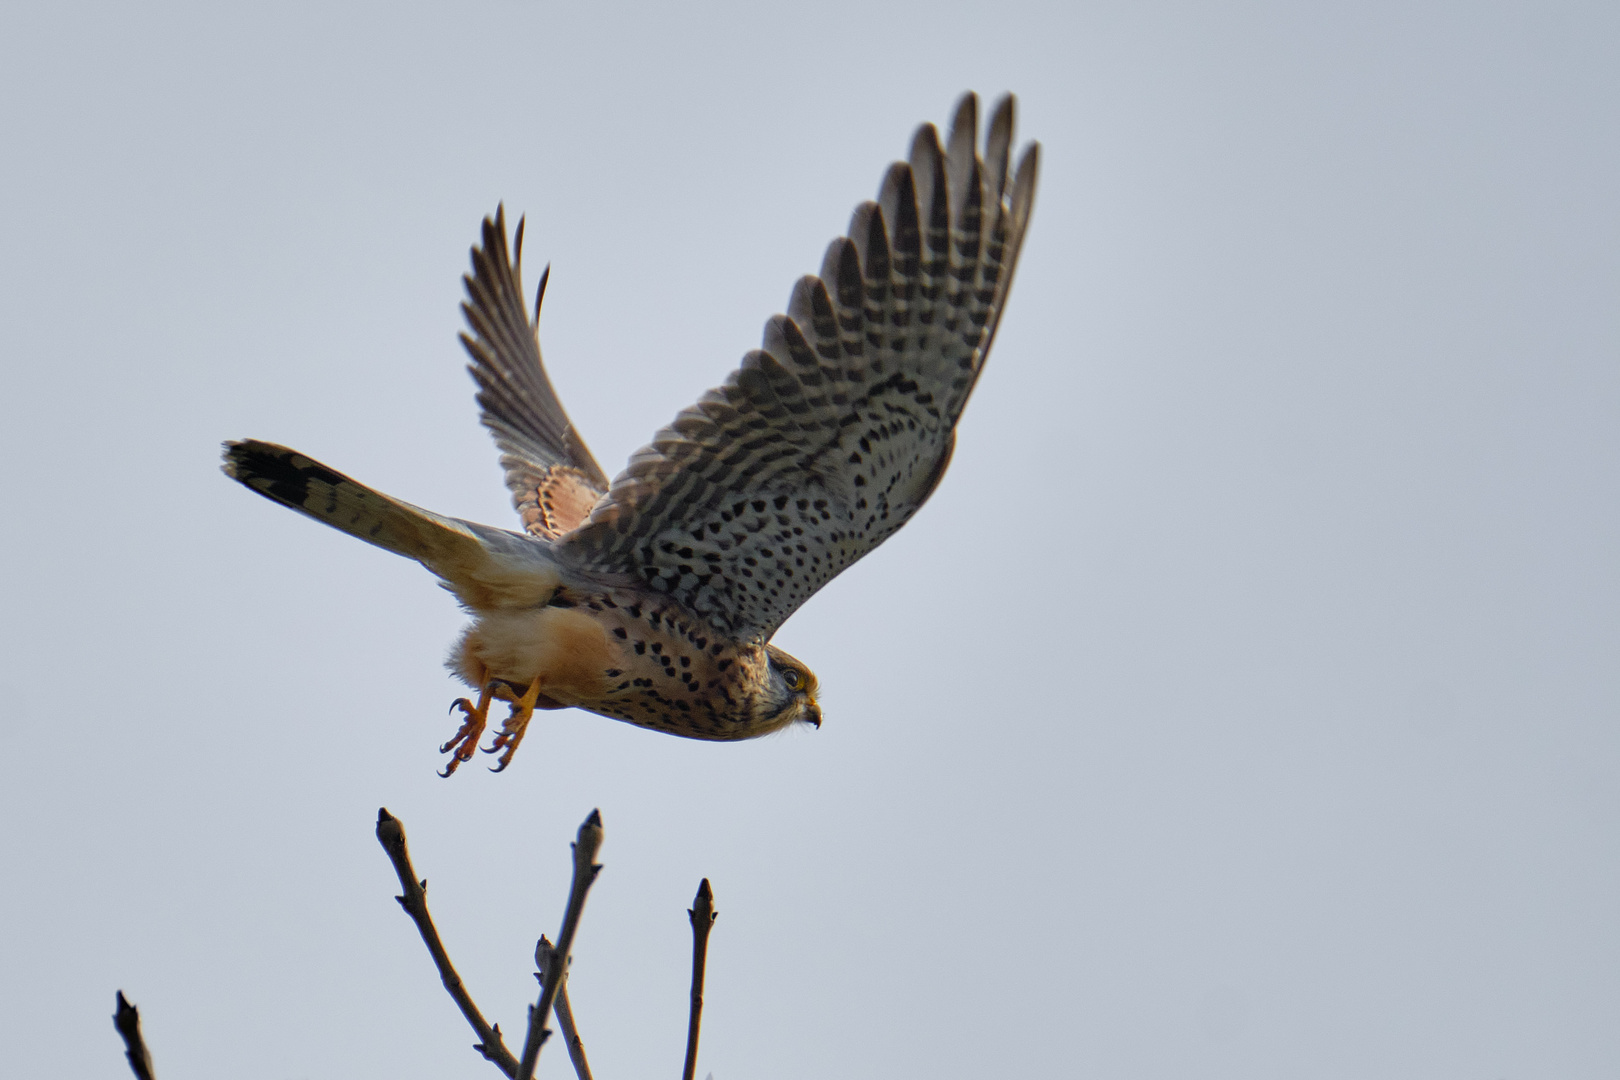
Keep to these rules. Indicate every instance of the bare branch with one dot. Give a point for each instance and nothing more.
(545, 954)
(702, 914)
(391, 834)
(128, 1022)
(586, 845)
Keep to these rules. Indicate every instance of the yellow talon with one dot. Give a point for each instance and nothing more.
(516, 724)
(472, 729)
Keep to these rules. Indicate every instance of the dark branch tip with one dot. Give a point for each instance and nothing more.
(702, 911)
(390, 833)
(128, 1016)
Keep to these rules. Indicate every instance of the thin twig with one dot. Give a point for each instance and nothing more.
(545, 954)
(702, 914)
(128, 1022)
(391, 834)
(586, 845)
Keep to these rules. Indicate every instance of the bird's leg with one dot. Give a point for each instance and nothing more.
(516, 724)
(472, 729)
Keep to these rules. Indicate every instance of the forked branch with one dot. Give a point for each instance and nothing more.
(545, 954)
(586, 845)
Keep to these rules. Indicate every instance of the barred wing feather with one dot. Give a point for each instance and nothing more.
(553, 477)
(830, 436)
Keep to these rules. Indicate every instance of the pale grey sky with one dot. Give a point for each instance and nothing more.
(1243, 705)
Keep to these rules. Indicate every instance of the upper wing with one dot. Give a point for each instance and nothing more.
(830, 437)
(553, 477)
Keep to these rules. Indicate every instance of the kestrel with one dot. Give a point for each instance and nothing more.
(653, 598)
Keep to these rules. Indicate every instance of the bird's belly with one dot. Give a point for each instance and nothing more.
(565, 648)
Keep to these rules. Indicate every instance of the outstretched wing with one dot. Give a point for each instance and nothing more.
(827, 439)
(553, 477)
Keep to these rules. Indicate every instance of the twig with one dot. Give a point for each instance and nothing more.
(391, 834)
(586, 845)
(702, 914)
(128, 1022)
(545, 954)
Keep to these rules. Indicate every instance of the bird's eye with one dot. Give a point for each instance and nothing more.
(793, 679)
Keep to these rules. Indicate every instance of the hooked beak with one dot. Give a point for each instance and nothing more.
(812, 714)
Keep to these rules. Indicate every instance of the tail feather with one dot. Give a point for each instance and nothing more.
(486, 568)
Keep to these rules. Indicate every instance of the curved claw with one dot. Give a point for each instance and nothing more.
(465, 740)
(456, 760)
(506, 740)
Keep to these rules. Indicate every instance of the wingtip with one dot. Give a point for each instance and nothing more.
(998, 139)
(924, 141)
(965, 117)
(1024, 180)
(1005, 112)
(960, 143)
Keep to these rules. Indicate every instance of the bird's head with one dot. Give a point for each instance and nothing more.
(791, 688)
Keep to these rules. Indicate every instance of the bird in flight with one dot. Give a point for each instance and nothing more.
(653, 598)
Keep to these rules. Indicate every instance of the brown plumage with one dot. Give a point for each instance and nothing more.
(653, 598)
